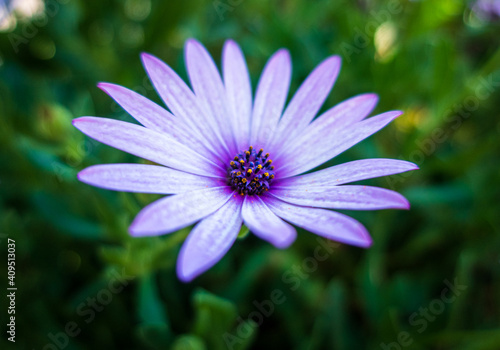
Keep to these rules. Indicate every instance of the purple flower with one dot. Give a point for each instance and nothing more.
(487, 9)
(5, 10)
(229, 159)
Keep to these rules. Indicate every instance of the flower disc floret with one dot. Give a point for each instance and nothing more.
(250, 172)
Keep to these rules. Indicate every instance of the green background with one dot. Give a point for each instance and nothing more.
(436, 60)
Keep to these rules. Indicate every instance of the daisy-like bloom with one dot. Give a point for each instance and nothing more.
(228, 159)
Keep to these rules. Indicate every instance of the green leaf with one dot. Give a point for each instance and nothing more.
(154, 329)
(151, 310)
(55, 209)
(157, 336)
(244, 231)
(189, 342)
(214, 317)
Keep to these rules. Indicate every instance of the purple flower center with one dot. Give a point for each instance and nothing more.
(250, 172)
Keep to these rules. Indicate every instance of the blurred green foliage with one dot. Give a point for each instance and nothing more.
(77, 265)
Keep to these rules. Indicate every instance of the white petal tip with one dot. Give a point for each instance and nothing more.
(231, 43)
(402, 203)
(148, 59)
(284, 53)
(192, 41)
(283, 244)
(193, 44)
(366, 244)
(104, 86)
(138, 229)
(334, 61)
(133, 231)
(78, 122)
(364, 240)
(188, 269)
(185, 273)
(81, 175)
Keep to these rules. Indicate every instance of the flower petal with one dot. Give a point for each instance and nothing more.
(183, 103)
(336, 118)
(347, 112)
(327, 144)
(144, 178)
(270, 97)
(153, 116)
(326, 223)
(238, 91)
(209, 89)
(348, 172)
(147, 144)
(172, 213)
(209, 241)
(142, 109)
(306, 102)
(354, 197)
(264, 224)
